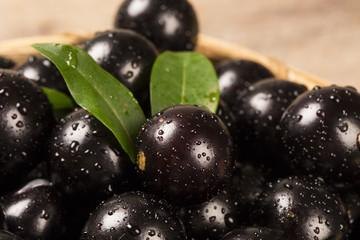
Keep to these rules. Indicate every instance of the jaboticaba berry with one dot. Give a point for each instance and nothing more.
(85, 159)
(321, 135)
(133, 216)
(25, 122)
(169, 24)
(35, 211)
(302, 208)
(236, 76)
(44, 73)
(127, 56)
(185, 153)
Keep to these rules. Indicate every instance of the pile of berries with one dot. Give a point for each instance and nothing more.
(276, 161)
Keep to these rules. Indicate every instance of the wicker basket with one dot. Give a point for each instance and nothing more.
(215, 49)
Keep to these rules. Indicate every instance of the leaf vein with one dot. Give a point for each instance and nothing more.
(183, 85)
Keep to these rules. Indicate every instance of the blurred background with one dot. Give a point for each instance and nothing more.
(321, 37)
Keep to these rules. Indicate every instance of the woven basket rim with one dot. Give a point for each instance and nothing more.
(20, 49)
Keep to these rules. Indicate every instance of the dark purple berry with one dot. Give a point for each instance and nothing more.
(25, 122)
(302, 208)
(321, 135)
(237, 75)
(133, 215)
(212, 219)
(44, 73)
(86, 160)
(184, 154)
(253, 233)
(258, 112)
(169, 24)
(6, 63)
(35, 211)
(127, 56)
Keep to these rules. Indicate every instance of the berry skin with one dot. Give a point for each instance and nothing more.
(258, 112)
(35, 211)
(6, 63)
(237, 75)
(86, 160)
(127, 56)
(135, 216)
(320, 135)
(169, 24)
(303, 208)
(212, 219)
(44, 73)
(25, 122)
(185, 153)
(252, 233)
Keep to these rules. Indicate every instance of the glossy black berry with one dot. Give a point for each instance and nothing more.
(212, 219)
(302, 208)
(236, 75)
(169, 24)
(44, 73)
(35, 211)
(6, 63)
(25, 122)
(258, 112)
(184, 154)
(127, 56)
(86, 160)
(321, 135)
(133, 215)
(5, 235)
(253, 233)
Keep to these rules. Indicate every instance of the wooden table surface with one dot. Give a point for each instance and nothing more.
(318, 36)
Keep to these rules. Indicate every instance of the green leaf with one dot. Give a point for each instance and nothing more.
(99, 92)
(184, 78)
(58, 100)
